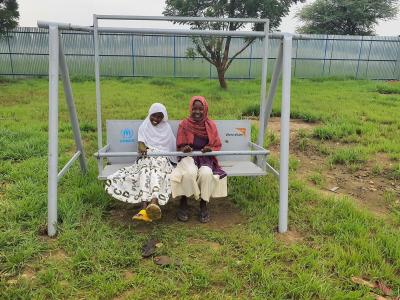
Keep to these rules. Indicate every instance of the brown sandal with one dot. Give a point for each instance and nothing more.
(153, 211)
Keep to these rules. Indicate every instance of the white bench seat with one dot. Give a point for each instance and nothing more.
(232, 168)
(235, 136)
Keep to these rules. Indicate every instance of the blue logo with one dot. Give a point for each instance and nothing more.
(127, 136)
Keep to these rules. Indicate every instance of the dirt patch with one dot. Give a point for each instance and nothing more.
(56, 255)
(213, 245)
(223, 214)
(128, 275)
(289, 237)
(366, 186)
(274, 124)
(28, 274)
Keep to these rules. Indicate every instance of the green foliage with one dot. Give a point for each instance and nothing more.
(216, 49)
(388, 88)
(347, 156)
(345, 17)
(8, 15)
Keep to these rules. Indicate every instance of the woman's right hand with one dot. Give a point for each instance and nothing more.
(187, 149)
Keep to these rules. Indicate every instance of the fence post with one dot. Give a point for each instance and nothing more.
(250, 59)
(9, 51)
(330, 59)
(359, 56)
(133, 57)
(295, 59)
(326, 46)
(397, 64)
(369, 53)
(174, 57)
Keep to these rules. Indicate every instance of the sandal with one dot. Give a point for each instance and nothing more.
(204, 216)
(164, 260)
(153, 211)
(182, 214)
(149, 248)
(142, 216)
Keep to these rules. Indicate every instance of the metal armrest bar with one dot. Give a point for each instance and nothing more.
(255, 146)
(179, 153)
(272, 170)
(68, 165)
(104, 149)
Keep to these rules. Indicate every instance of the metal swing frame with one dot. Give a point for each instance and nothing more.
(57, 65)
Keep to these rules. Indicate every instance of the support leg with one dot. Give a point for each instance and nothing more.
(53, 131)
(285, 134)
(71, 107)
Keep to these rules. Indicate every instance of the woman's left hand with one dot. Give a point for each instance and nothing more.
(206, 149)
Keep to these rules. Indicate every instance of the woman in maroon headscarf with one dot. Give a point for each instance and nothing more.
(199, 176)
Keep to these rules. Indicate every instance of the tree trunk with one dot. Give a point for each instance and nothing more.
(221, 78)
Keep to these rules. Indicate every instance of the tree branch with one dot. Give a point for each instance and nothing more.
(240, 51)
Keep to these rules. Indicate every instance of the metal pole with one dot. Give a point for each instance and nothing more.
(133, 57)
(359, 56)
(98, 95)
(174, 57)
(250, 59)
(9, 51)
(295, 60)
(71, 107)
(263, 100)
(53, 131)
(330, 60)
(285, 134)
(396, 71)
(273, 86)
(326, 46)
(369, 53)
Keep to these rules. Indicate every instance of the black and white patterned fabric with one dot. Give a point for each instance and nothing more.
(146, 179)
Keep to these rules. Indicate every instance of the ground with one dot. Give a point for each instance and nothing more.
(344, 213)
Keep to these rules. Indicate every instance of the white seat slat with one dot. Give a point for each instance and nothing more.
(232, 168)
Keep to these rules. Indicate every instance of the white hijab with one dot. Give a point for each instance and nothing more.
(159, 137)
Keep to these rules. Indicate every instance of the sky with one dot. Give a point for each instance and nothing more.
(80, 12)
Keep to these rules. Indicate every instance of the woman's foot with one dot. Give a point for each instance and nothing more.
(182, 213)
(204, 215)
(153, 210)
(142, 216)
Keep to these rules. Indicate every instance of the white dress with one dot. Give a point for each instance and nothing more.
(146, 179)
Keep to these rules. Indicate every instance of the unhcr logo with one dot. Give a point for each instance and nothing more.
(126, 136)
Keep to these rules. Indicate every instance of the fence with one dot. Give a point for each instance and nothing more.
(24, 52)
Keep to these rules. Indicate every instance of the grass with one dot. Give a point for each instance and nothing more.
(93, 257)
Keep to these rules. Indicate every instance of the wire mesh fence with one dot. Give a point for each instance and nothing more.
(24, 52)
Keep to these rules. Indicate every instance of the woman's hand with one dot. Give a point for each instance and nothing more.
(187, 149)
(206, 149)
(142, 149)
(143, 152)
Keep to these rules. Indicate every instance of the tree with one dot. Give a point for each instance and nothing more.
(8, 15)
(356, 17)
(216, 49)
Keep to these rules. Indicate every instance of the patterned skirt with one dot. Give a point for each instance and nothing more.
(146, 179)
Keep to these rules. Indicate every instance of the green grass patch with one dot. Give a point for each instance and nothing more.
(388, 88)
(96, 254)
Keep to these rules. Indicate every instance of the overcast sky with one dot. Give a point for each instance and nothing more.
(80, 12)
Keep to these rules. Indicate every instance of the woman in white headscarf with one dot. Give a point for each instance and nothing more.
(148, 180)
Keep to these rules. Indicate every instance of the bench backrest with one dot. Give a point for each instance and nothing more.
(122, 137)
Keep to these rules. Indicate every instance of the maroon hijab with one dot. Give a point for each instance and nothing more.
(206, 128)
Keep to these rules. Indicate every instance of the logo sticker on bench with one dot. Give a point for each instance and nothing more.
(126, 136)
(239, 132)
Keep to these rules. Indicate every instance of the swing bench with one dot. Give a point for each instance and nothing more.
(239, 156)
(236, 156)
